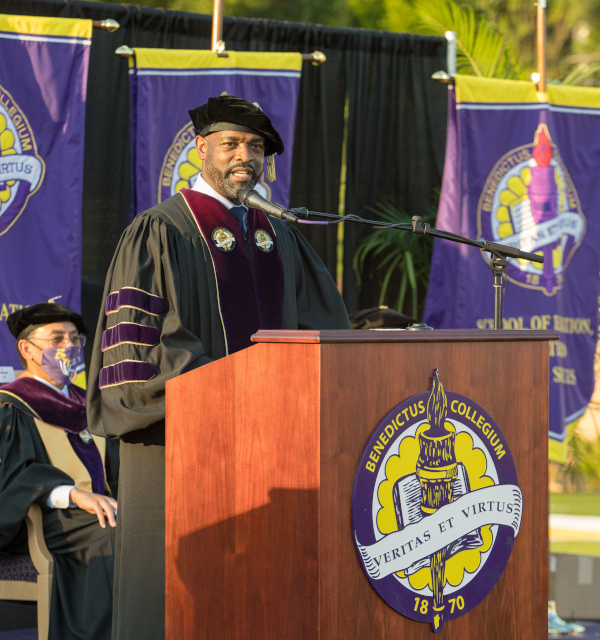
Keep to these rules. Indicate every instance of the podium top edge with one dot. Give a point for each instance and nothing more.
(403, 335)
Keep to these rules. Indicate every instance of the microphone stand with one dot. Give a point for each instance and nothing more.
(498, 252)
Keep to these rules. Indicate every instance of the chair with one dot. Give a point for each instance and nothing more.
(29, 576)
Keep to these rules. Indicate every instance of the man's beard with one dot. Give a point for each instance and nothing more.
(223, 183)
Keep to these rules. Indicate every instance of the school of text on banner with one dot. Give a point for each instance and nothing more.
(166, 84)
(43, 80)
(521, 170)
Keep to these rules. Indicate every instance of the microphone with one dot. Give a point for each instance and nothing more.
(513, 252)
(253, 199)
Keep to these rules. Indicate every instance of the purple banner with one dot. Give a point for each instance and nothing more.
(164, 85)
(522, 171)
(43, 78)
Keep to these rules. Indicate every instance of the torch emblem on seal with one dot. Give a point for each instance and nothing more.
(529, 202)
(437, 472)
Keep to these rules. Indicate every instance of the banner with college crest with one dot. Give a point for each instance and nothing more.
(43, 80)
(522, 170)
(166, 84)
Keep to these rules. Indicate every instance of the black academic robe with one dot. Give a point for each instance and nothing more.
(162, 276)
(83, 552)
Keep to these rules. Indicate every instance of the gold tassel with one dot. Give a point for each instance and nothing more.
(271, 168)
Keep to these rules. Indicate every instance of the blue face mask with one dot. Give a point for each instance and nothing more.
(61, 364)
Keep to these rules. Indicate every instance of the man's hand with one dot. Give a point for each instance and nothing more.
(103, 506)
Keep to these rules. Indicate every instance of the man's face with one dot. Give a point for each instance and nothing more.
(231, 160)
(50, 336)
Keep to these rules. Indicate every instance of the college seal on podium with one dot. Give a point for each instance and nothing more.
(436, 506)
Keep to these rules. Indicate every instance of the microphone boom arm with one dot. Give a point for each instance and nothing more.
(499, 252)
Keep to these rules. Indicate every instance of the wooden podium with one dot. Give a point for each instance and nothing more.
(261, 452)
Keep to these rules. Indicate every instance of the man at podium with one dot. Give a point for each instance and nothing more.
(192, 279)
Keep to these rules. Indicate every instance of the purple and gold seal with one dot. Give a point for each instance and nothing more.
(263, 241)
(530, 202)
(223, 239)
(21, 168)
(436, 506)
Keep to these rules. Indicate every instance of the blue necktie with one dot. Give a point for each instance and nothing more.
(241, 213)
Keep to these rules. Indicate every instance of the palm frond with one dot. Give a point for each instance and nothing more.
(402, 293)
(386, 279)
(581, 72)
(481, 50)
(400, 258)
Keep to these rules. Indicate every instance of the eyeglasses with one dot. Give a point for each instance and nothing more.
(60, 339)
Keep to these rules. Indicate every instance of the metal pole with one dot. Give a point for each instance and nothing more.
(541, 45)
(316, 57)
(497, 299)
(217, 44)
(451, 53)
(106, 25)
(498, 264)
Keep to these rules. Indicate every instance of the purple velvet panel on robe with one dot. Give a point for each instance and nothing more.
(267, 272)
(38, 400)
(50, 406)
(250, 293)
(126, 371)
(129, 297)
(130, 333)
(90, 456)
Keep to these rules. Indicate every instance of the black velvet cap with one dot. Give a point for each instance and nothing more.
(379, 317)
(228, 113)
(43, 313)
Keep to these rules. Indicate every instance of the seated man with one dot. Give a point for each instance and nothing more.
(48, 456)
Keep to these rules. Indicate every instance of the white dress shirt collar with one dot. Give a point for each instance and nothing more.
(64, 390)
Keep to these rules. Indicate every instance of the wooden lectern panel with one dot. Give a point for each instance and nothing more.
(262, 450)
(243, 489)
(502, 378)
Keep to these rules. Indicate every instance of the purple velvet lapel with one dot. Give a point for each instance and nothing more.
(267, 270)
(38, 400)
(250, 293)
(90, 456)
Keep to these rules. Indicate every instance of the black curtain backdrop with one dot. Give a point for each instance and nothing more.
(396, 133)
(396, 118)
